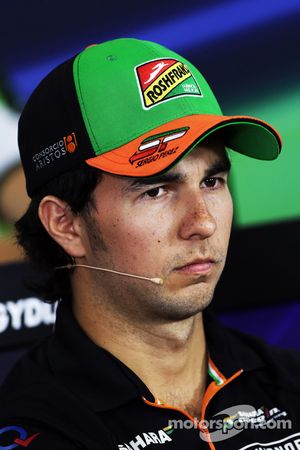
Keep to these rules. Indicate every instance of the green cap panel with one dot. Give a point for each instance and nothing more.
(109, 90)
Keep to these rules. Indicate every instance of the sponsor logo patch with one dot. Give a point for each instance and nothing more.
(156, 147)
(289, 443)
(20, 437)
(244, 417)
(70, 143)
(144, 439)
(55, 151)
(161, 80)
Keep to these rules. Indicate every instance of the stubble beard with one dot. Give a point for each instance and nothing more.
(179, 307)
(140, 300)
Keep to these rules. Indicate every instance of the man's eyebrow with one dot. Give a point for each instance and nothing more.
(173, 177)
(219, 166)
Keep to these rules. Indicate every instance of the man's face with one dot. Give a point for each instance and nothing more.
(175, 226)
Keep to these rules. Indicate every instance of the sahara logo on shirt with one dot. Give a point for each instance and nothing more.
(8, 441)
(142, 440)
(160, 80)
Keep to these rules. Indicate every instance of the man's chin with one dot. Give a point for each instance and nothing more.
(185, 307)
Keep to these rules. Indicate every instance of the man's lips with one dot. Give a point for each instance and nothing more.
(198, 266)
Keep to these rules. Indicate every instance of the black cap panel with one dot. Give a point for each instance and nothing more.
(52, 136)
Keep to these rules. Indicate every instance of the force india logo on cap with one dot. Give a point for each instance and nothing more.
(155, 147)
(163, 79)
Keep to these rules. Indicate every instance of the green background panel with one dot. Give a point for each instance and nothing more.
(269, 191)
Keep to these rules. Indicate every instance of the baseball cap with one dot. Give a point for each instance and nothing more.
(128, 107)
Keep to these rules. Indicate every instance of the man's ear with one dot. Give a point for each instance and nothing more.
(62, 225)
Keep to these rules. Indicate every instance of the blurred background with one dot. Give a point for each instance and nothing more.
(249, 53)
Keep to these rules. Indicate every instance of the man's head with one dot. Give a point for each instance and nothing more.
(175, 226)
(145, 118)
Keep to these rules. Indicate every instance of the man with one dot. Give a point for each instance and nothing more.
(123, 148)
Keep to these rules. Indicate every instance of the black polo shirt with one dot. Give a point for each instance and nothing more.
(68, 393)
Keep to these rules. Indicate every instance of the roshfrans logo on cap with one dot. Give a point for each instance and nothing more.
(156, 147)
(161, 80)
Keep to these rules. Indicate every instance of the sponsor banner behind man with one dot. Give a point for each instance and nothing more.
(24, 319)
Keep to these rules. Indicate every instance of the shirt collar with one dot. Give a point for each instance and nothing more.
(104, 382)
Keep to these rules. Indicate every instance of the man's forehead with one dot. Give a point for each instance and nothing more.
(213, 161)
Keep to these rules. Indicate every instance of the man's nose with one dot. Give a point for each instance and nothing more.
(197, 221)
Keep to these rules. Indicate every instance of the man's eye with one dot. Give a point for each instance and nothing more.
(214, 182)
(154, 192)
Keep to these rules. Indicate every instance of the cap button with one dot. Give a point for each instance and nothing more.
(111, 58)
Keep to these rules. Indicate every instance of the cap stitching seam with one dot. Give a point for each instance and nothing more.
(81, 102)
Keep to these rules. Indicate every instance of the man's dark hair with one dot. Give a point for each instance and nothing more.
(75, 188)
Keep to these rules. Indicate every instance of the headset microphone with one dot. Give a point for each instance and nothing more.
(153, 280)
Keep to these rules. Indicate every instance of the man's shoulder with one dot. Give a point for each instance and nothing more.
(282, 364)
(27, 397)
(37, 409)
(28, 379)
(235, 349)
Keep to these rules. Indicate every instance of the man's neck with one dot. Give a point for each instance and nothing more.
(170, 358)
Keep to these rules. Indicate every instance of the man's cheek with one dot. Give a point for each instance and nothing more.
(139, 251)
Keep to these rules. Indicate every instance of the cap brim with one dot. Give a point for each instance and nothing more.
(160, 148)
